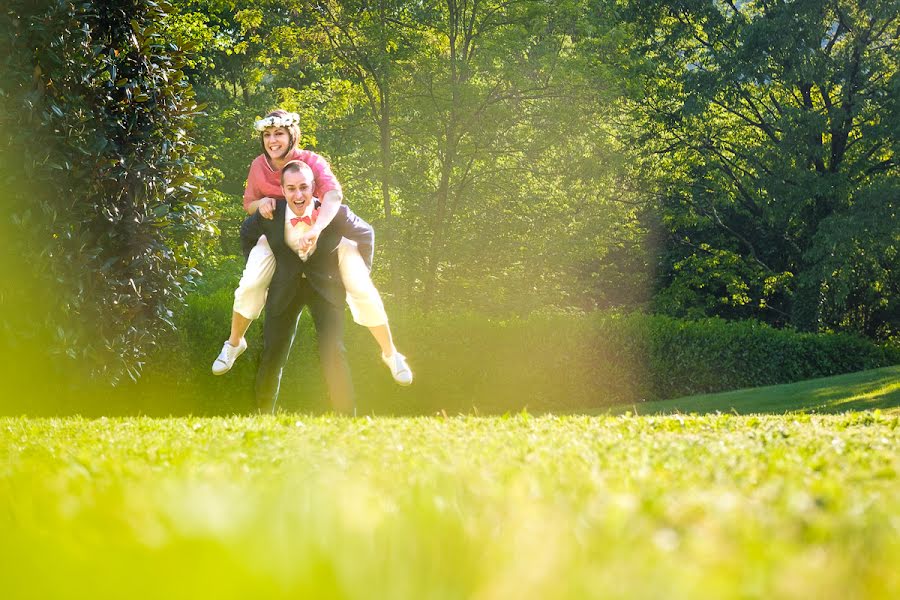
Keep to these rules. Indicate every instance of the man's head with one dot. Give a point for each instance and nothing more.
(279, 133)
(297, 185)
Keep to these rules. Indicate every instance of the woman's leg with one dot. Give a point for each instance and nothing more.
(368, 309)
(382, 335)
(249, 299)
(239, 326)
(362, 296)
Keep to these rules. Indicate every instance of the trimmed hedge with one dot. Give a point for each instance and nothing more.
(470, 363)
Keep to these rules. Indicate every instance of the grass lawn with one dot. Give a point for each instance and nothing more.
(874, 389)
(716, 506)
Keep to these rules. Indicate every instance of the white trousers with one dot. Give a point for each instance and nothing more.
(362, 295)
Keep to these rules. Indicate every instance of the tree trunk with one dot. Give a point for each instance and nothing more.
(439, 220)
(386, 157)
(805, 308)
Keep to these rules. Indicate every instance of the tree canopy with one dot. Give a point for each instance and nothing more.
(689, 157)
(772, 127)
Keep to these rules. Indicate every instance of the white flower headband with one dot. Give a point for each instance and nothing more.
(284, 121)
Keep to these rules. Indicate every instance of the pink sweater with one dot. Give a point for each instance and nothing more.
(263, 181)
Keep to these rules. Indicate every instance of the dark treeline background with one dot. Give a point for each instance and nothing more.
(478, 138)
(692, 158)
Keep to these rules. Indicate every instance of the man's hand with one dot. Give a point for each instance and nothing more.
(267, 207)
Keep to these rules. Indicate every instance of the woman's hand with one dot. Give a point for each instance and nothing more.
(267, 207)
(308, 239)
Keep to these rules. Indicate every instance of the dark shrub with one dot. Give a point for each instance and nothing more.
(99, 177)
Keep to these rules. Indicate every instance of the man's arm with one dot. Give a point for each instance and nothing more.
(355, 229)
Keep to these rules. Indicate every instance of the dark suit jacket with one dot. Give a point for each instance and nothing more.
(321, 269)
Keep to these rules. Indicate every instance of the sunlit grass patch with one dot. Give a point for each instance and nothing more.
(519, 507)
(864, 390)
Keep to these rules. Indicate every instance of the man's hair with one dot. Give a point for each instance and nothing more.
(293, 133)
(296, 166)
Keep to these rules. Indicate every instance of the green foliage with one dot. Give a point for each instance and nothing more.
(471, 362)
(779, 507)
(767, 132)
(515, 158)
(490, 171)
(100, 175)
(244, 54)
(689, 357)
(468, 362)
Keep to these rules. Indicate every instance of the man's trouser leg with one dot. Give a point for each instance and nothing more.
(278, 337)
(329, 322)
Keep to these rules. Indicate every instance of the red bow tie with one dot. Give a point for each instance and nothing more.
(296, 220)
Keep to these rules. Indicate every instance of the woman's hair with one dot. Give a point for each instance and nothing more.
(293, 130)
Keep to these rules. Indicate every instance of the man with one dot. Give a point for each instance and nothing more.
(307, 277)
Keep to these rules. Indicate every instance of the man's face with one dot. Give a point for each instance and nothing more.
(297, 188)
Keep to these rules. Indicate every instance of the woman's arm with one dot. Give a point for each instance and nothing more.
(331, 203)
(254, 199)
(265, 206)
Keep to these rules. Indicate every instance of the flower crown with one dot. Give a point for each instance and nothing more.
(275, 121)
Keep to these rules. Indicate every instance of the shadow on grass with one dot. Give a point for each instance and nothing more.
(865, 390)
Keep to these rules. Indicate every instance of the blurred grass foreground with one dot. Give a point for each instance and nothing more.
(466, 507)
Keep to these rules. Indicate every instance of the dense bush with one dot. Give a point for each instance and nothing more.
(470, 363)
(100, 178)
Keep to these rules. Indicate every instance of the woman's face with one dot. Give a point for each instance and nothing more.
(276, 141)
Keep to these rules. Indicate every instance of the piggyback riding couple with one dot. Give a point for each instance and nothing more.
(304, 247)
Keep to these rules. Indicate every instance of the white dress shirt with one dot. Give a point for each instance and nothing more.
(292, 233)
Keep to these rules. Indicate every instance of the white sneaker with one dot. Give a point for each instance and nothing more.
(399, 369)
(227, 356)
